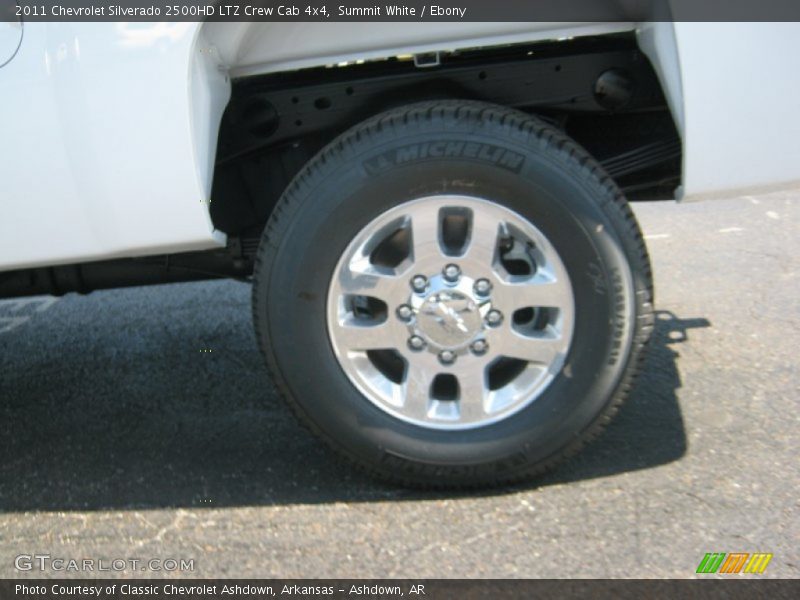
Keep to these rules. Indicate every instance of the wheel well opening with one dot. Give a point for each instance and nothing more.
(602, 91)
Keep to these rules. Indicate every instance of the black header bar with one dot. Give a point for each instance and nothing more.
(430, 11)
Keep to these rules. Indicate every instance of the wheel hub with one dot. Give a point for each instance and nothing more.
(448, 317)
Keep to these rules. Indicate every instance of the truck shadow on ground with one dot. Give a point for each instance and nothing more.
(150, 427)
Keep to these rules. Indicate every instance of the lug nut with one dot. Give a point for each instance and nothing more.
(419, 283)
(416, 343)
(494, 318)
(404, 312)
(446, 357)
(483, 287)
(451, 273)
(479, 346)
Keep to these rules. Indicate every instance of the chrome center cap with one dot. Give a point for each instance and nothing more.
(449, 319)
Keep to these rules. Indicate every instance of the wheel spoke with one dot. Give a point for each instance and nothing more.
(538, 291)
(473, 389)
(425, 233)
(543, 350)
(354, 335)
(417, 390)
(481, 249)
(370, 282)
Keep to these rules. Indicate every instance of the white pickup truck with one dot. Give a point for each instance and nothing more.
(449, 286)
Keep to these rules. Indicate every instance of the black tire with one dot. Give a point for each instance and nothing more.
(557, 186)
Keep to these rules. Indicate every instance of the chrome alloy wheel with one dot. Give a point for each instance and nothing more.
(450, 312)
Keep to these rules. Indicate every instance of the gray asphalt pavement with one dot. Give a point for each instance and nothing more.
(141, 424)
